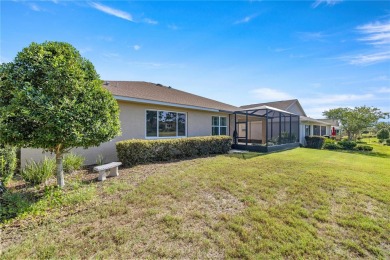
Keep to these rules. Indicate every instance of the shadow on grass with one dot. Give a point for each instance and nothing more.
(367, 153)
(16, 202)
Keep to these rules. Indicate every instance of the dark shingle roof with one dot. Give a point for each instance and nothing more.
(157, 92)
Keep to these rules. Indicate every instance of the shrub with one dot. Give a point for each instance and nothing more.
(73, 162)
(135, 151)
(329, 141)
(315, 142)
(383, 134)
(7, 163)
(347, 145)
(364, 147)
(388, 142)
(331, 146)
(37, 173)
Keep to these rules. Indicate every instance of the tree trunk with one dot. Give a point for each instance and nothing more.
(59, 169)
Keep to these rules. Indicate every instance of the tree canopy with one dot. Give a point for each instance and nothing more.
(52, 98)
(354, 120)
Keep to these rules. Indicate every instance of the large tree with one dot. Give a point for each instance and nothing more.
(52, 98)
(354, 120)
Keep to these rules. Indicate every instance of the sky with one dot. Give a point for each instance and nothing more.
(325, 53)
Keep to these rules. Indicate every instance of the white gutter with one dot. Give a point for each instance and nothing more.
(154, 102)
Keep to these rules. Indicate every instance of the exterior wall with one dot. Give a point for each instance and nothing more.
(295, 109)
(133, 126)
(302, 130)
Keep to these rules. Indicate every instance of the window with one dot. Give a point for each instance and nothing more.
(307, 130)
(316, 130)
(218, 125)
(165, 124)
(323, 130)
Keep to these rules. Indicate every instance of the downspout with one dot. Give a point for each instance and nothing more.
(246, 128)
(289, 137)
(280, 128)
(266, 129)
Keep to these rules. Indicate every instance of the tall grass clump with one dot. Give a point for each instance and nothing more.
(73, 162)
(7, 163)
(37, 173)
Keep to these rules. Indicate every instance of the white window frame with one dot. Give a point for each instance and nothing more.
(158, 126)
(219, 124)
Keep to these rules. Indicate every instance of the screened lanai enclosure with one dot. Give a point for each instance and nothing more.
(265, 129)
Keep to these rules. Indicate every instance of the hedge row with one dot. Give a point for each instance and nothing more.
(315, 142)
(135, 151)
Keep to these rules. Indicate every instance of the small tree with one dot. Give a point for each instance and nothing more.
(355, 120)
(383, 134)
(52, 98)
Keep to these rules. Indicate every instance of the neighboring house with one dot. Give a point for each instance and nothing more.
(154, 111)
(334, 125)
(308, 126)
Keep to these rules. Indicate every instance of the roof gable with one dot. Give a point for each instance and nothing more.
(287, 105)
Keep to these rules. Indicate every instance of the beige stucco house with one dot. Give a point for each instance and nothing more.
(154, 111)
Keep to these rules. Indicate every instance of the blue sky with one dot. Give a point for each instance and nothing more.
(327, 54)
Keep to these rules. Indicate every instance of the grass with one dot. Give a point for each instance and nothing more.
(300, 203)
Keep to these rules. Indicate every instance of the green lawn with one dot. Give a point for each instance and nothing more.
(300, 203)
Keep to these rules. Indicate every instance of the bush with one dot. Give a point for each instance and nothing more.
(37, 173)
(329, 141)
(135, 151)
(388, 142)
(331, 146)
(364, 147)
(383, 134)
(347, 145)
(7, 163)
(315, 142)
(73, 162)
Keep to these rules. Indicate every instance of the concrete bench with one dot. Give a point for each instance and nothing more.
(113, 167)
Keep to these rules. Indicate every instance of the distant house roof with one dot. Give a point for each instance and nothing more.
(312, 120)
(283, 105)
(146, 92)
(330, 121)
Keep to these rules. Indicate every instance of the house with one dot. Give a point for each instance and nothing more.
(154, 111)
(334, 126)
(308, 126)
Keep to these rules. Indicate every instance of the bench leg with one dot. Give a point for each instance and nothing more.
(114, 172)
(102, 175)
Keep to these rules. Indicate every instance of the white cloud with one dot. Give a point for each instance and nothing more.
(337, 99)
(111, 55)
(150, 21)
(173, 27)
(384, 90)
(269, 94)
(246, 19)
(312, 36)
(368, 59)
(112, 11)
(326, 2)
(136, 47)
(377, 33)
(35, 7)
